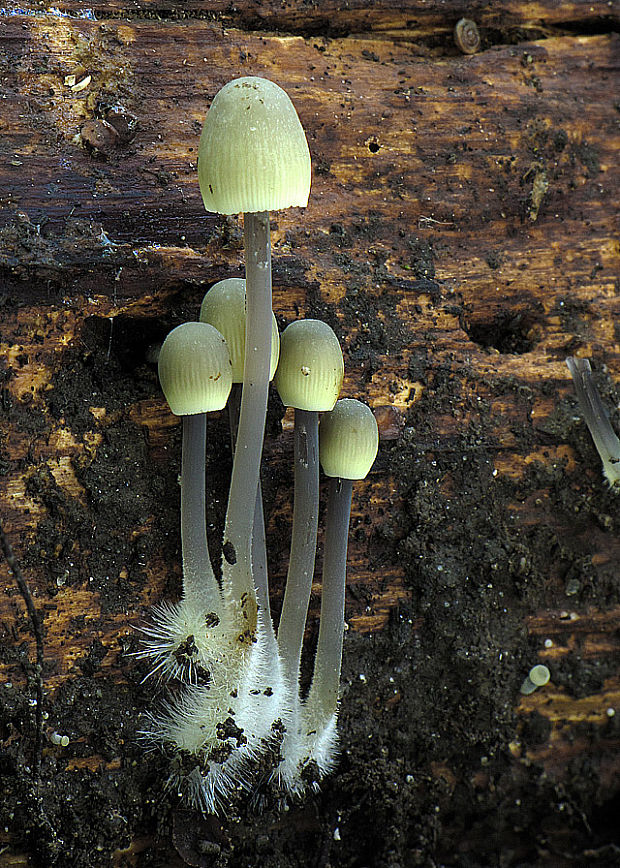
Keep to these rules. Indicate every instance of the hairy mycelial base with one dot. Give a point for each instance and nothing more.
(220, 728)
(309, 751)
(185, 641)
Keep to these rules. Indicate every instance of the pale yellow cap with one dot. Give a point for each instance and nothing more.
(539, 675)
(311, 367)
(194, 369)
(253, 154)
(224, 307)
(348, 440)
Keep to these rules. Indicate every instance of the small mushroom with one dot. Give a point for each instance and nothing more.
(537, 677)
(308, 378)
(196, 376)
(348, 443)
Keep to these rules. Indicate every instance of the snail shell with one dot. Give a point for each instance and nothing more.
(467, 36)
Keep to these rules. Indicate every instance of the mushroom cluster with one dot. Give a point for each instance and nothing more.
(236, 715)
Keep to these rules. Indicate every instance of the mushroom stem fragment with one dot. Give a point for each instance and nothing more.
(237, 562)
(303, 541)
(597, 419)
(323, 697)
(199, 582)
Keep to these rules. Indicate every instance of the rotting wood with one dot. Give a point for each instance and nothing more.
(424, 176)
(411, 18)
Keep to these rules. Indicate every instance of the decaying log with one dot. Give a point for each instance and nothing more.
(460, 240)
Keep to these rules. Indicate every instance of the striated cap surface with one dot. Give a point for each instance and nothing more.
(348, 440)
(224, 307)
(311, 368)
(194, 367)
(253, 154)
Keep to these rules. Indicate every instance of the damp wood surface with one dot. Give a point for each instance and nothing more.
(461, 239)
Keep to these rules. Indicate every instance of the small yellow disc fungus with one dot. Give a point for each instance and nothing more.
(536, 677)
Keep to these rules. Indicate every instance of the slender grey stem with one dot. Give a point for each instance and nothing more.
(261, 572)
(323, 697)
(303, 541)
(596, 418)
(237, 562)
(259, 542)
(199, 582)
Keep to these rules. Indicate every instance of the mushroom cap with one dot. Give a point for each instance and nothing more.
(224, 307)
(539, 675)
(253, 154)
(348, 440)
(194, 369)
(311, 368)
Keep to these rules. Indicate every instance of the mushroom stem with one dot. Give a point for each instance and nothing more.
(237, 561)
(323, 697)
(303, 541)
(259, 542)
(200, 586)
(596, 418)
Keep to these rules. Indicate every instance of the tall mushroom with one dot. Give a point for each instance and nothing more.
(253, 158)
